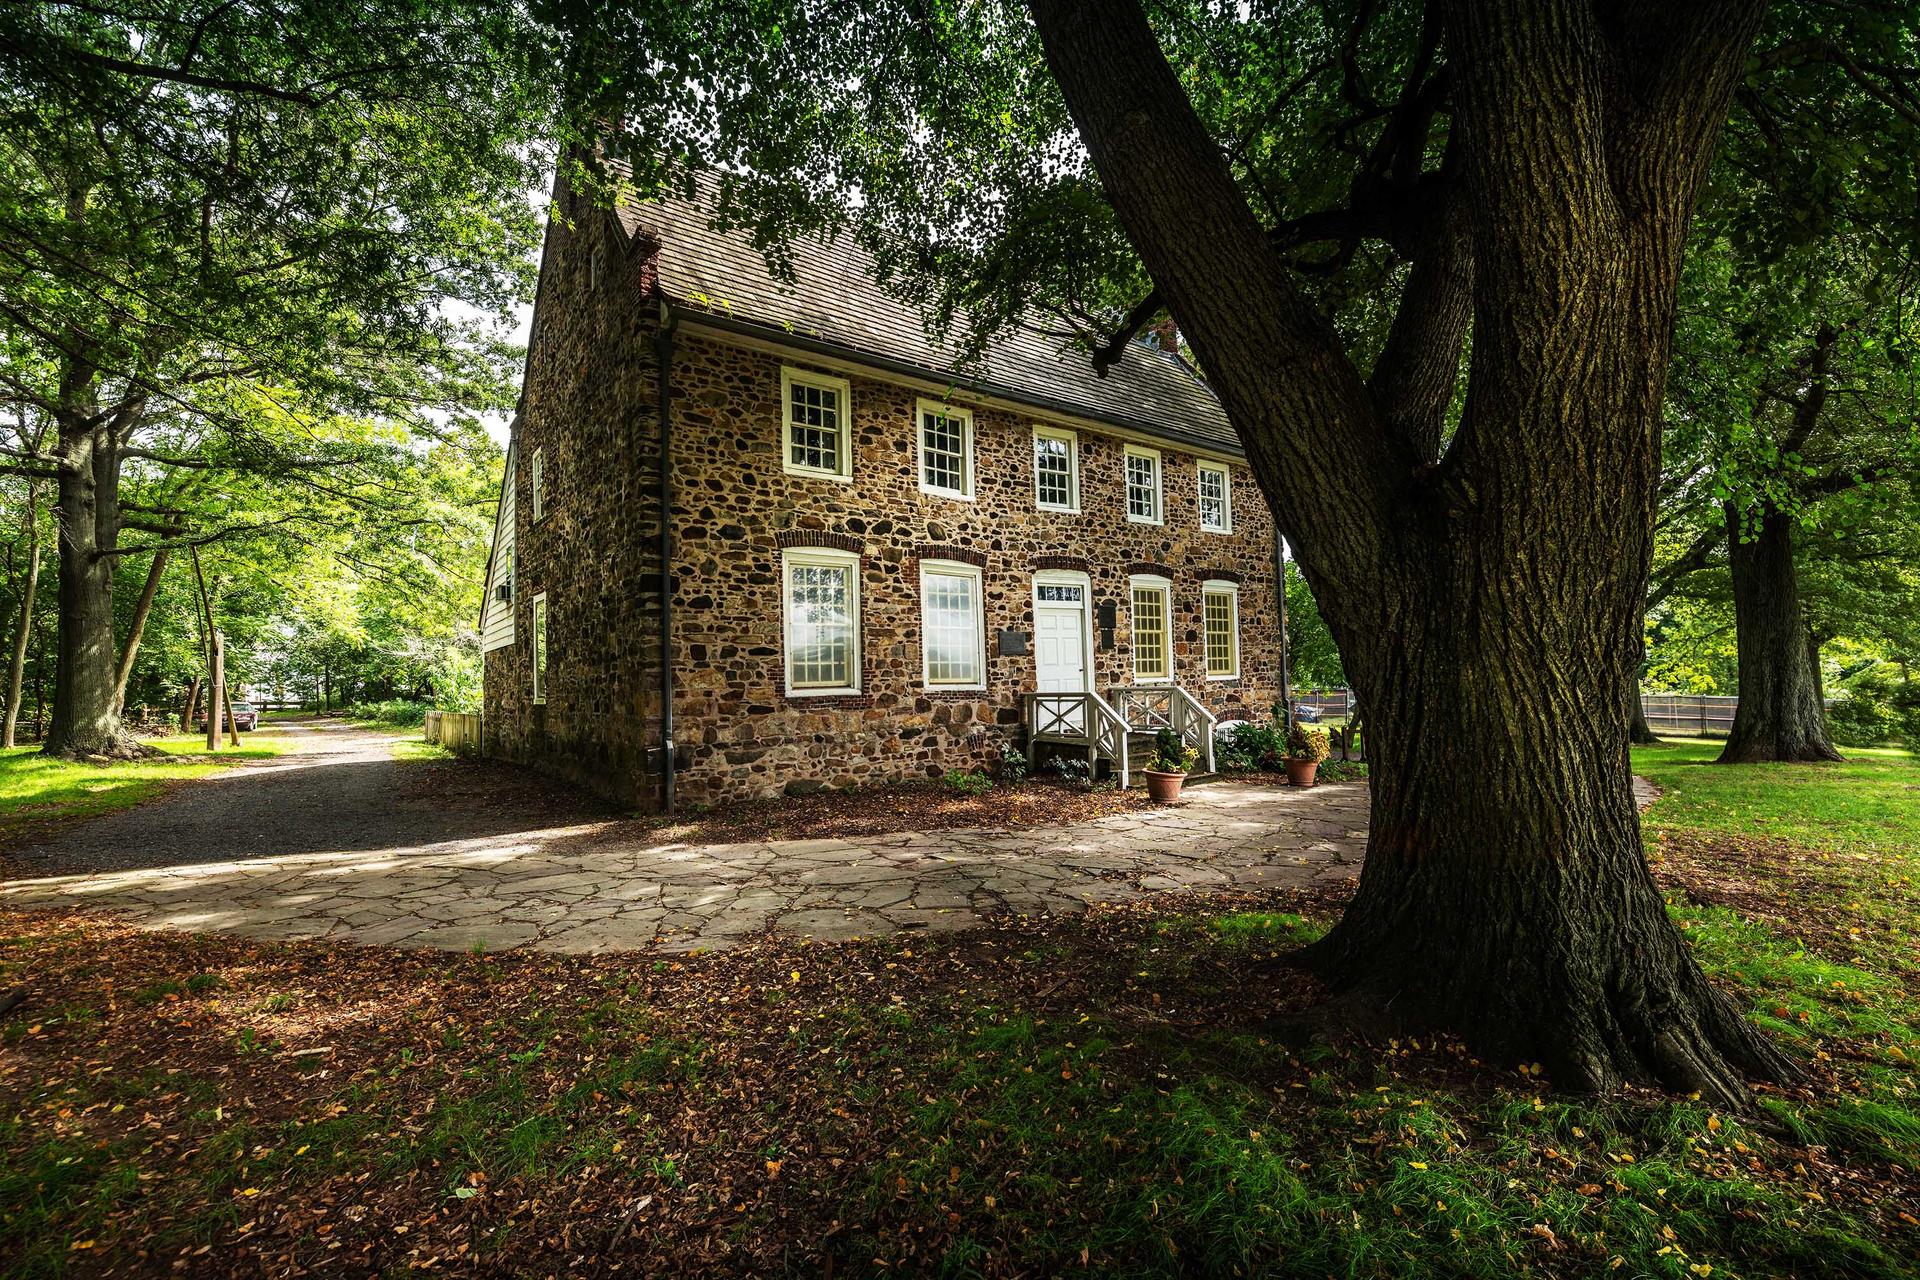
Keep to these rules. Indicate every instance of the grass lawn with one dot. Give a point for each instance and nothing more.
(34, 788)
(1100, 1095)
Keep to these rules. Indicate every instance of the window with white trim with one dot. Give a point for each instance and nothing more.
(946, 450)
(1143, 485)
(816, 439)
(540, 648)
(953, 625)
(1220, 622)
(537, 482)
(1216, 498)
(1056, 469)
(1152, 629)
(820, 591)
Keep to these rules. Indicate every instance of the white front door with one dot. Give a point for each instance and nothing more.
(1060, 639)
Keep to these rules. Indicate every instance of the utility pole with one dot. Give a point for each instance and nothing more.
(217, 687)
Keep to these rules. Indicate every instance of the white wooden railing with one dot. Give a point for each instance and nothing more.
(1083, 720)
(1151, 708)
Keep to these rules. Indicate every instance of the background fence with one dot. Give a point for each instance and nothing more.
(454, 730)
(1704, 715)
(1332, 703)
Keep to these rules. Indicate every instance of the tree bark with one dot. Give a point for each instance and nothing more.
(1780, 715)
(22, 636)
(131, 650)
(1485, 606)
(193, 703)
(86, 717)
(1639, 732)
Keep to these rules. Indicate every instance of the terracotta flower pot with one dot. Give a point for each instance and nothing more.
(1163, 788)
(1300, 772)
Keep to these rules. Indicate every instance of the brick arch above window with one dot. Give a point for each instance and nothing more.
(1221, 575)
(945, 551)
(819, 538)
(1150, 568)
(1077, 564)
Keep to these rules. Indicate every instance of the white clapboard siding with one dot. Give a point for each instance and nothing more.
(496, 618)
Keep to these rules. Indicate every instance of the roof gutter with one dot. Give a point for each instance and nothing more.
(887, 364)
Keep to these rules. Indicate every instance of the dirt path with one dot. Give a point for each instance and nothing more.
(341, 790)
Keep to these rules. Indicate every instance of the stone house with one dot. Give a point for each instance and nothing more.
(880, 564)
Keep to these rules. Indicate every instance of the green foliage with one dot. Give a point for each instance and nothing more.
(1312, 656)
(1874, 707)
(967, 782)
(1308, 742)
(399, 712)
(1012, 766)
(1252, 744)
(1171, 754)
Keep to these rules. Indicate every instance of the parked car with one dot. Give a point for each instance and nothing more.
(246, 717)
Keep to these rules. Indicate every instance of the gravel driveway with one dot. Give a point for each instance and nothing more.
(339, 792)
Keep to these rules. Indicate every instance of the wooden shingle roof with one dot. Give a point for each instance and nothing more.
(836, 307)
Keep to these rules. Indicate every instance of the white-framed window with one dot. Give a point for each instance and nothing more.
(1143, 485)
(537, 482)
(945, 437)
(1056, 469)
(1220, 623)
(820, 601)
(540, 648)
(1152, 628)
(953, 628)
(1216, 497)
(816, 438)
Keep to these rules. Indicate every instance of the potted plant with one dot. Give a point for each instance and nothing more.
(1307, 746)
(1167, 772)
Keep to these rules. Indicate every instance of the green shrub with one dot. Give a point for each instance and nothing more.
(403, 713)
(1171, 754)
(967, 782)
(1308, 742)
(1875, 707)
(1013, 763)
(1252, 744)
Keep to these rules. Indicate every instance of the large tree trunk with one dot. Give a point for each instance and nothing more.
(1780, 715)
(86, 717)
(22, 636)
(1639, 732)
(1486, 605)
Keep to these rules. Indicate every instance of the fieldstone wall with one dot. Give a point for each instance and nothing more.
(589, 406)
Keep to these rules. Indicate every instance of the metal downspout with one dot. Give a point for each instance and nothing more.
(663, 349)
(1280, 589)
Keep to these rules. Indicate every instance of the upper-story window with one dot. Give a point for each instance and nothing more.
(537, 482)
(946, 450)
(816, 439)
(1152, 628)
(1220, 614)
(596, 266)
(1143, 485)
(1216, 498)
(953, 628)
(1056, 469)
(821, 590)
